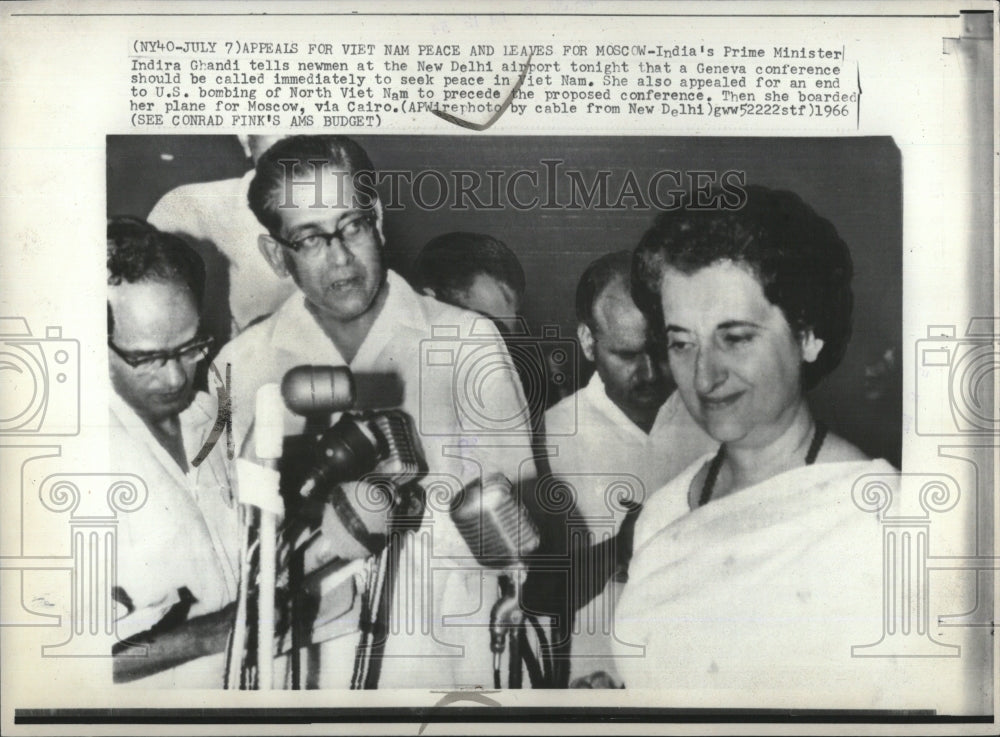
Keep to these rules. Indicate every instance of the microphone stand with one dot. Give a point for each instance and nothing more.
(507, 624)
(261, 507)
(514, 629)
(407, 516)
(236, 651)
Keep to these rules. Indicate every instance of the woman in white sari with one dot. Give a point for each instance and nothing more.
(754, 574)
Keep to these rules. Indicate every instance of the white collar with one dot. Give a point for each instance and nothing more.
(596, 393)
(296, 331)
(192, 419)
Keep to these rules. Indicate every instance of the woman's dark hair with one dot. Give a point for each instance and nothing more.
(797, 256)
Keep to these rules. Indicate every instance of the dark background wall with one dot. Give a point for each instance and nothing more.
(854, 182)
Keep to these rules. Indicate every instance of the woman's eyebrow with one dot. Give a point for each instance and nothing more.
(737, 324)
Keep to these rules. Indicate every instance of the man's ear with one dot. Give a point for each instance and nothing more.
(273, 254)
(811, 345)
(586, 338)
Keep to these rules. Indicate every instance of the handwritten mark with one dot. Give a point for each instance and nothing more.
(223, 419)
(858, 124)
(496, 116)
(451, 697)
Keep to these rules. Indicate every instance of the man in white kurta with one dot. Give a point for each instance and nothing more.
(619, 439)
(459, 387)
(450, 596)
(176, 554)
(184, 536)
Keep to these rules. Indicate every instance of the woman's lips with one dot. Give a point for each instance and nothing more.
(715, 404)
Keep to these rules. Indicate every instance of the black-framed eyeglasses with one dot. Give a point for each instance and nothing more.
(352, 230)
(148, 362)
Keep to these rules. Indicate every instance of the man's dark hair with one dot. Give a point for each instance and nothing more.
(796, 255)
(596, 278)
(449, 264)
(139, 252)
(298, 153)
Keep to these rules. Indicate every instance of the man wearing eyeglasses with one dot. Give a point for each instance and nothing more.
(314, 196)
(177, 559)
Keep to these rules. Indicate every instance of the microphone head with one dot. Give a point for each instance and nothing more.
(493, 523)
(312, 390)
(402, 458)
(345, 452)
(378, 391)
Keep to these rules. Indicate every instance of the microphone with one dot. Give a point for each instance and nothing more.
(497, 529)
(401, 457)
(383, 445)
(323, 390)
(312, 390)
(361, 467)
(493, 523)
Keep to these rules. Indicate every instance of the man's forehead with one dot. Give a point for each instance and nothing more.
(615, 311)
(487, 287)
(311, 192)
(148, 292)
(152, 308)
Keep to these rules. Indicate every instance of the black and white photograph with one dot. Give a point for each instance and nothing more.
(500, 371)
(575, 347)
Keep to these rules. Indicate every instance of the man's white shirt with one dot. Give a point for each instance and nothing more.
(592, 443)
(442, 603)
(604, 458)
(184, 535)
(218, 212)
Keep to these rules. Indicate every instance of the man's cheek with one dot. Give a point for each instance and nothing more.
(290, 266)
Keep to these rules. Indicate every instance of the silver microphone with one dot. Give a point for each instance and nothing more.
(324, 390)
(494, 523)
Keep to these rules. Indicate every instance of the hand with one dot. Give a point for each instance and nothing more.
(154, 651)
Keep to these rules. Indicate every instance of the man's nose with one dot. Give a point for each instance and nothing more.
(709, 372)
(337, 254)
(174, 374)
(647, 369)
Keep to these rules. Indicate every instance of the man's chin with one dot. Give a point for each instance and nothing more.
(344, 308)
(649, 398)
(164, 406)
